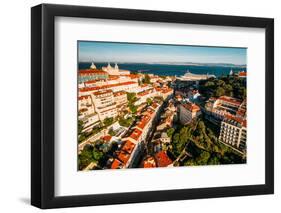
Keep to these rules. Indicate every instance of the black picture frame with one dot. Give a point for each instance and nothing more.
(43, 105)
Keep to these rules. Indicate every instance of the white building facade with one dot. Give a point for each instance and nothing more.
(233, 132)
(188, 112)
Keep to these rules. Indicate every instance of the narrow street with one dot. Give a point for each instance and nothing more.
(148, 146)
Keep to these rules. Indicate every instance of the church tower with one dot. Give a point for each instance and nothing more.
(109, 66)
(93, 66)
(116, 67)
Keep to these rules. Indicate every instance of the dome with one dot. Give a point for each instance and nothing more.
(108, 65)
(93, 66)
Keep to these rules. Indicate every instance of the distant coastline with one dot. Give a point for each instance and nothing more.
(173, 68)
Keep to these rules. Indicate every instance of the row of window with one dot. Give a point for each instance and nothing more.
(229, 138)
(230, 130)
(233, 143)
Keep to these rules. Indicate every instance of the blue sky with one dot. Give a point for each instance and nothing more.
(149, 53)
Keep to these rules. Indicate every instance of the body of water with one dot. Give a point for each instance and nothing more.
(170, 69)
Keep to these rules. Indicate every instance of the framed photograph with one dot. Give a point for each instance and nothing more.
(139, 106)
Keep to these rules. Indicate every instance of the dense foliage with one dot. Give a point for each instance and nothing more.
(231, 86)
(148, 101)
(108, 121)
(132, 98)
(90, 154)
(126, 122)
(200, 142)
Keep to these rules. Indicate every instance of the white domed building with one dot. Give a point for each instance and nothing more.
(115, 70)
(111, 70)
(93, 66)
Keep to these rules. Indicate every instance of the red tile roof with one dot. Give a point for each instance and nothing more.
(242, 74)
(83, 110)
(133, 76)
(242, 121)
(154, 105)
(91, 81)
(92, 72)
(230, 100)
(119, 93)
(116, 164)
(124, 157)
(241, 112)
(106, 138)
(136, 134)
(88, 89)
(162, 159)
(143, 122)
(191, 107)
(144, 93)
(113, 77)
(126, 152)
(84, 97)
(128, 146)
(149, 163)
(102, 92)
(119, 84)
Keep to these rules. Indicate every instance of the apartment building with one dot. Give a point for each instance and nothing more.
(188, 112)
(104, 104)
(233, 132)
(222, 106)
(120, 98)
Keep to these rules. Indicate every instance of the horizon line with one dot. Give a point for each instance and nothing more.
(176, 63)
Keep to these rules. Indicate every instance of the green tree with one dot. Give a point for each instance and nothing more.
(203, 158)
(81, 137)
(214, 161)
(85, 157)
(175, 142)
(190, 162)
(176, 138)
(209, 84)
(148, 101)
(131, 96)
(107, 121)
(170, 132)
(220, 83)
(80, 126)
(111, 132)
(184, 135)
(228, 90)
(201, 126)
(216, 148)
(125, 122)
(242, 93)
(219, 92)
(180, 139)
(96, 155)
(133, 108)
